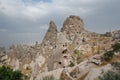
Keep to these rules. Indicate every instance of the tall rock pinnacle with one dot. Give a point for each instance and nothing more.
(51, 35)
(72, 26)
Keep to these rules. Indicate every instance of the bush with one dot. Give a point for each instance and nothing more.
(78, 56)
(71, 64)
(110, 76)
(76, 51)
(6, 73)
(108, 55)
(116, 47)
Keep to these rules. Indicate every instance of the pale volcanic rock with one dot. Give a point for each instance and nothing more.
(17, 65)
(51, 35)
(116, 34)
(72, 25)
(40, 60)
(54, 55)
(55, 73)
(95, 72)
(85, 49)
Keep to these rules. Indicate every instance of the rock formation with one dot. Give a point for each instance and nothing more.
(73, 53)
(51, 35)
(3, 57)
(72, 26)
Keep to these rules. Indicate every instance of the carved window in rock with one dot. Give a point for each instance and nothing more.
(55, 46)
(59, 62)
(64, 51)
(68, 32)
(83, 40)
(50, 43)
(65, 56)
(65, 45)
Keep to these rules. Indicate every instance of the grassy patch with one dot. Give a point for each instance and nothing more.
(110, 76)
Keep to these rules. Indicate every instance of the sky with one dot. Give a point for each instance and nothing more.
(26, 21)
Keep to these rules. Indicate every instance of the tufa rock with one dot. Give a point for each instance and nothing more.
(116, 34)
(75, 72)
(73, 25)
(65, 76)
(51, 35)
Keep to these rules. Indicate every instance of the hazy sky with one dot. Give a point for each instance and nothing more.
(26, 21)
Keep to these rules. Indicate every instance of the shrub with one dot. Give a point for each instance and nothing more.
(110, 76)
(76, 51)
(78, 56)
(116, 47)
(108, 55)
(6, 73)
(71, 64)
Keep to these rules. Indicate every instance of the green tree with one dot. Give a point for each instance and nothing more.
(6, 73)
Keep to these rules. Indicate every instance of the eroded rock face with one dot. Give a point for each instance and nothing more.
(51, 35)
(58, 49)
(72, 25)
(3, 57)
(96, 72)
(65, 76)
(75, 72)
(116, 34)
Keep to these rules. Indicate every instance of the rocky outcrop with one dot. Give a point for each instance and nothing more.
(71, 54)
(51, 35)
(116, 34)
(72, 26)
(65, 76)
(96, 72)
(3, 57)
(82, 71)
